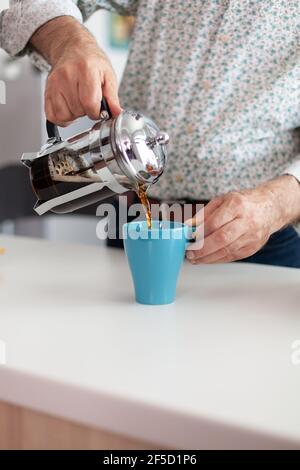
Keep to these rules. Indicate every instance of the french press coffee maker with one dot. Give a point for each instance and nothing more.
(114, 156)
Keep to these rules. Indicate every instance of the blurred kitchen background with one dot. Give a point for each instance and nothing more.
(22, 129)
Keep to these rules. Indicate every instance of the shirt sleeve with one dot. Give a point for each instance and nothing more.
(19, 22)
(294, 169)
(23, 17)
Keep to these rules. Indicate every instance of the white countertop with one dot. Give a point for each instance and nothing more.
(212, 370)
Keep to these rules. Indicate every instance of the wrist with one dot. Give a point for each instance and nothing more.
(59, 36)
(285, 197)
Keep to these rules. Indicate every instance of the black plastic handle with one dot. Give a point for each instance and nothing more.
(52, 129)
(104, 108)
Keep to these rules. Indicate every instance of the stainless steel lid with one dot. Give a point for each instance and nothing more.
(139, 147)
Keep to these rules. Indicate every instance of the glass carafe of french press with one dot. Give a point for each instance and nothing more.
(114, 156)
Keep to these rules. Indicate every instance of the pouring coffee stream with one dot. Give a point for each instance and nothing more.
(141, 192)
(115, 155)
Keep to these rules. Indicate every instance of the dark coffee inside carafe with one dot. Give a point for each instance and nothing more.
(63, 172)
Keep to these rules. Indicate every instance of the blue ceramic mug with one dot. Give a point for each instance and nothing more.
(155, 257)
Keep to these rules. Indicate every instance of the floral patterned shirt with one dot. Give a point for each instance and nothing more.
(222, 77)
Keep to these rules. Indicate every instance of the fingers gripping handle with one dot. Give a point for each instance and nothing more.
(52, 129)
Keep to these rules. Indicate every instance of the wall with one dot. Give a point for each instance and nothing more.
(3, 4)
(98, 24)
(20, 115)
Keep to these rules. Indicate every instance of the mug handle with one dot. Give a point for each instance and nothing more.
(52, 129)
(190, 232)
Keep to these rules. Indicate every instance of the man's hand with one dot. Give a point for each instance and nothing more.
(239, 224)
(81, 72)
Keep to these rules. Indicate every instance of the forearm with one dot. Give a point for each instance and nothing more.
(61, 35)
